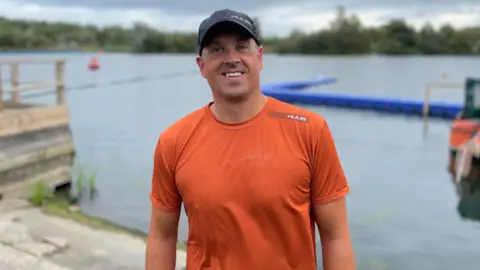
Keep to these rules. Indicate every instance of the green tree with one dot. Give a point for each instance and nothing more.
(398, 38)
(430, 42)
(344, 35)
(347, 35)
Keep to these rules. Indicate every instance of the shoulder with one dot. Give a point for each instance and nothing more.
(307, 126)
(175, 136)
(312, 121)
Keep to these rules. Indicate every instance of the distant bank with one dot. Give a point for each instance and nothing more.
(4, 52)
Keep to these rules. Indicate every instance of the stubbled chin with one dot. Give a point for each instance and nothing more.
(234, 92)
(234, 84)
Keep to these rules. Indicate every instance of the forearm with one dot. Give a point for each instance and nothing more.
(161, 253)
(338, 254)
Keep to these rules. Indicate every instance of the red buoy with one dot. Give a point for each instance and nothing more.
(94, 64)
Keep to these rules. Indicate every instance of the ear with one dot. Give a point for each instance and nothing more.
(260, 56)
(201, 66)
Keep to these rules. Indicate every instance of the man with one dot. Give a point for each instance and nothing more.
(253, 173)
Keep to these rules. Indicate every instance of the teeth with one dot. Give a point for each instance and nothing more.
(233, 74)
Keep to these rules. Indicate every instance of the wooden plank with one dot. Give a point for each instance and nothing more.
(37, 85)
(29, 141)
(16, 121)
(24, 60)
(54, 177)
(35, 170)
(11, 162)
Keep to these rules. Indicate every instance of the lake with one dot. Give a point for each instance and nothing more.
(402, 207)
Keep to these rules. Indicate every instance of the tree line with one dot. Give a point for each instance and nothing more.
(346, 35)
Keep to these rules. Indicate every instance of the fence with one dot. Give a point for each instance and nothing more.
(16, 87)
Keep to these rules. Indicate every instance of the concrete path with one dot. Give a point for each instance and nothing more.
(30, 239)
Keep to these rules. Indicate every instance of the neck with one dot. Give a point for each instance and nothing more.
(239, 111)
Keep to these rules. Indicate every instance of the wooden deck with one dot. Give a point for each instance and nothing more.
(35, 139)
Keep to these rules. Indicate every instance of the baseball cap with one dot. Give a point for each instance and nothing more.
(241, 21)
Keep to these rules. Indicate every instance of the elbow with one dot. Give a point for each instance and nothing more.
(165, 235)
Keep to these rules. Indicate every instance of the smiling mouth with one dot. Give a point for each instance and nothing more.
(233, 74)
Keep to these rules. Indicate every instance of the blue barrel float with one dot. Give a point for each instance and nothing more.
(289, 92)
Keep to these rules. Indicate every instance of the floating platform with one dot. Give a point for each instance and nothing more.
(299, 85)
(292, 92)
(380, 104)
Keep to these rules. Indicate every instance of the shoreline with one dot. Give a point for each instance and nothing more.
(52, 236)
(20, 52)
(59, 207)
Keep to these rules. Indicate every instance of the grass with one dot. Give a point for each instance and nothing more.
(39, 193)
(83, 175)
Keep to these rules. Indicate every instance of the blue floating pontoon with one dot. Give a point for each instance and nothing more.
(300, 85)
(379, 104)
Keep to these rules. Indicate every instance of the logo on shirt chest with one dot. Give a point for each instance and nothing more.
(289, 116)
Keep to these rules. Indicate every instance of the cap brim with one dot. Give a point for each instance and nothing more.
(231, 26)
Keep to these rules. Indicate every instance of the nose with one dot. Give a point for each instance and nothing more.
(231, 57)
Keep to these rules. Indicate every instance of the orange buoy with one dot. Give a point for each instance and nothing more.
(94, 64)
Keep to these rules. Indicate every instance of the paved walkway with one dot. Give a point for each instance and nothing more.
(30, 239)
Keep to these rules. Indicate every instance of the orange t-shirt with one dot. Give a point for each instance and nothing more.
(248, 188)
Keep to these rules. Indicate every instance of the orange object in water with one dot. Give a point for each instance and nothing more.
(462, 131)
(94, 64)
(464, 145)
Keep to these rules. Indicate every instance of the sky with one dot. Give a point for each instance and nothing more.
(277, 17)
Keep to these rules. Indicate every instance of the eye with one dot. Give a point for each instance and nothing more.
(216, 49)
(243, 47)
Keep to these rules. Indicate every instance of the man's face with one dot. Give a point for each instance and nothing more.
(231, 64)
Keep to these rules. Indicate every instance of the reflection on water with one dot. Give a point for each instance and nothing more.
(469, 200)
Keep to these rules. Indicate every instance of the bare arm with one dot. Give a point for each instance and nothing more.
(332, 222)
(166, 206)
(162, 240)
(329, 187)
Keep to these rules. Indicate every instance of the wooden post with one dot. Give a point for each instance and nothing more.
(1, 90)
(426, 102)
(14, 81)
(426, 110)
(60, 79)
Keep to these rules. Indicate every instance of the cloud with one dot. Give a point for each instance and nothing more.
(176, 7)
(277, 17)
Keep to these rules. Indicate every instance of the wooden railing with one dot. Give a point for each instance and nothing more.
(426, 101)
(16, 87)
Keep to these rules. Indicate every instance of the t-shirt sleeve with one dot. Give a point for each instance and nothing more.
(328, 181)
(164, 193)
